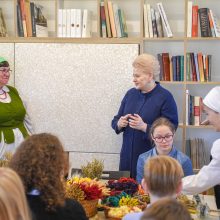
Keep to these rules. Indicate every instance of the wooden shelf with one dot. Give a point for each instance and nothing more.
(70, 40)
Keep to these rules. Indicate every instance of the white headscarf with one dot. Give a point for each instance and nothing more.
(212, 99)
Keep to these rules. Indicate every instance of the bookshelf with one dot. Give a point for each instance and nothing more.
(179, 44)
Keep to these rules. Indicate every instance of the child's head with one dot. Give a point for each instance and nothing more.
(166, 209)
(162, 176)
(162, 133)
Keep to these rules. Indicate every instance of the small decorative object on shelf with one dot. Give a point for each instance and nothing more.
(5, 159)
(87, 191)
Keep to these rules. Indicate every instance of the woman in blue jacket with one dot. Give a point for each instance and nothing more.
(139, 108)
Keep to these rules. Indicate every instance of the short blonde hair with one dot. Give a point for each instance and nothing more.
(163, 175)
(166, 209)
(148, 63)
(13, 204)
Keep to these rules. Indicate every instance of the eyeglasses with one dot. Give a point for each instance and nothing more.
(5, 70)
(160, 139)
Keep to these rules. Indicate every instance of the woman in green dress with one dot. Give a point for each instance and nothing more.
(14, 122)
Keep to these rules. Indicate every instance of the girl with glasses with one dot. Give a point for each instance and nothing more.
(14, 122)
(162, 132)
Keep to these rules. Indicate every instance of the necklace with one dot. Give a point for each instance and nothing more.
(5, 95)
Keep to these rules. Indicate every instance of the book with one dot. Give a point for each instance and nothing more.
(146, 29)
(204, 22)
(28, 18)
(112, 19)
(201, 70)
(166, 66)
(109, 32)
(189, 19)
(41, 21)
(197, 108)
(159, 24)
(122, 21)
(187, 107)
(19, 21)
(211, 24)
(216, 23)
(188, 67)
(181, 68)
(23, 15)
(116, 17)
(209, 67)
(154, 24)
(173, 61)
(33, 23)
(195, 9)
(150, 27)
(64, 15)
(78, 23)
(68, 22)
(73, 22)
(159, 57)
(3, 28)
(197, 67)
(60, 23)
(164, 19)
(86, 28)
(103, 20)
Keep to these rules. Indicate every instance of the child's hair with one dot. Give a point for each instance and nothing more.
(166, 209)
(162, 122)
(163, 175)
(13, 204)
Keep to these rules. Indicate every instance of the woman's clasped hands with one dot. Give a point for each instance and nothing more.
(132, 120)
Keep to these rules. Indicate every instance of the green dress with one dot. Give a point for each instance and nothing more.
(11, 117)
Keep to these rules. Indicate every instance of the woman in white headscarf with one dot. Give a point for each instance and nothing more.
(209, 175)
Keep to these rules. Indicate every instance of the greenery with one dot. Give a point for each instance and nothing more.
(93, 169)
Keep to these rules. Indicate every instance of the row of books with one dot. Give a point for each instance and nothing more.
(203, 17)
(194, 114)
(3, 29)
(74, 23)
(31, 21)
(112, 20)
(155, 22)
(195, 149)
(171, 68)
(198, 67)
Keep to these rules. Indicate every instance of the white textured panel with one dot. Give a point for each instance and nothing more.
(75, 90)
(7, 51)
(111, 161)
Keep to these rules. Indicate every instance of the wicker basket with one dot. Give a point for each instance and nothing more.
(90, 207)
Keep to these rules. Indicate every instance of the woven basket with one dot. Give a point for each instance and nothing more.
(90, 207)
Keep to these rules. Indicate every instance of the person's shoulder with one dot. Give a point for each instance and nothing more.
(74, 210)
(216, 148)
(133, 91)
(11, 88)
(146, 154)
(163, 91)
(182, 157)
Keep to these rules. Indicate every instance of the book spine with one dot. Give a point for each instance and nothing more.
(23, 15)
(103, 20)
(173, 60)
(86, 28)
(164, 19)
(194, 78)
(204, 22)
(201, 71)
(154, 24)
(181, 68)
(196, 110)
(166, 66)
(150, 21)
(187, 107)
(117, 23)
(159, 24)
(195, 9)
(216, 23)
(211, 24)
(188, 67)
(107, 19)
(112, 20)
(73, 23)
(33, 23)
(146, 29)
(159, 57)
(28, 18)
(68, 22)
(19, 22)
(189, 19)
(78, 23)
(60, 23)
(64, 23)
(197, 67)
(209, 64)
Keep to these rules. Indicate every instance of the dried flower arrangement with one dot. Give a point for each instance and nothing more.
(93, 169)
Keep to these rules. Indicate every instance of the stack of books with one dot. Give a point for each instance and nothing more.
(198, 67)
(112, 20)
(171, 68)
(74, 23)
(31, 20)
(156, 22)
(203, 17)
